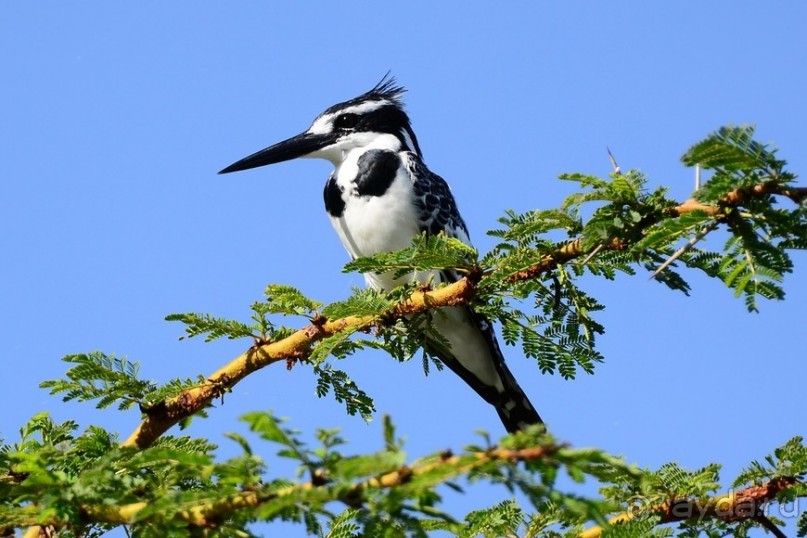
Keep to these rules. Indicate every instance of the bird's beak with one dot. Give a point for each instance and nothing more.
(297, 146)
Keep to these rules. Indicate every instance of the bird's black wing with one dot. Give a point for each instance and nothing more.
(437, 212)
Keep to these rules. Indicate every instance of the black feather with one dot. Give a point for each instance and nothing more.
(377, 170)
(437, 210)
(334, 203)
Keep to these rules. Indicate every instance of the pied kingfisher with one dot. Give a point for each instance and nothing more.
(381, 195)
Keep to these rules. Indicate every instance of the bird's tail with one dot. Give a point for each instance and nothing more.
(475, 356)
(515, 409)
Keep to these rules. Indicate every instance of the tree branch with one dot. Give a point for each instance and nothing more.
(296, 346)
(736, 198)
(211, 512)
(735, 506)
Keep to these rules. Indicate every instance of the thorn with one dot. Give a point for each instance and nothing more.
(595, 251)
(617, 170)
(691, 243)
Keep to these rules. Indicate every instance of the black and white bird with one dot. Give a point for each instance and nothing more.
(378, 198)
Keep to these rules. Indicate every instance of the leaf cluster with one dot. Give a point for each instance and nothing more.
(280, 300)
(755, 258)
(114, 380)
(426, 253)
(85, 484)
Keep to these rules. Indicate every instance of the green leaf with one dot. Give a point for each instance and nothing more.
(672, 230)
(731, 148)
(106, 378)
(427, 253)
(289, 301)
(363, 302)
(368, 464)
(503, 519)
(212, 327)
(345, 391)
(343, 525)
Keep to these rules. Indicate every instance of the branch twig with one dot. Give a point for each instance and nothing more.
(293, 347)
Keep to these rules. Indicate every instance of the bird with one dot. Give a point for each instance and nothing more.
(379, 197)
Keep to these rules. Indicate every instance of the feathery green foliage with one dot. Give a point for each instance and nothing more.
(110, 380)
(789, 460)
(106, 378)
(738, 161)
(363, 302)
(212, 327)
(344, 391)
(754, 259)
(73, 478)
(427, 253)
(280, 300)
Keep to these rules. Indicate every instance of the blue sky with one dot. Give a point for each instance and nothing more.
(115, 119)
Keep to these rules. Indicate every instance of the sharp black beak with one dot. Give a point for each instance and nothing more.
(296, 146)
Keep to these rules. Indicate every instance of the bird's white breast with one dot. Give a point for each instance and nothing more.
(372, 224)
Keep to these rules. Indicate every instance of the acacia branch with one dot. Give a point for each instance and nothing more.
(748, 503)
(574, 249)
(210, 513)
(163, 416)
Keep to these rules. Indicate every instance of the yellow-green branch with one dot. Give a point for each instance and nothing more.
(209, 513)
(735, 506)
(574, 249)
(295, 346)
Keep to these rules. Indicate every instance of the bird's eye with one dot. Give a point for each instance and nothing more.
(346, 121)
